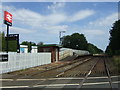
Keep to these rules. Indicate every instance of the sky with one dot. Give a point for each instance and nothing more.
(42, 21)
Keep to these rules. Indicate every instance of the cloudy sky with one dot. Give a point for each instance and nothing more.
(42, 21)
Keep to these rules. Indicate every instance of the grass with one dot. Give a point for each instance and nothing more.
(116, 61)
(18, 71)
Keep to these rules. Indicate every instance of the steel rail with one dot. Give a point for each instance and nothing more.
(47, 69)
(108, 74)
(61, 66)
(73, 67)
(82, 82)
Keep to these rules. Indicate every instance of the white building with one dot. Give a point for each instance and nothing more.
(23, 49)
(34, 49)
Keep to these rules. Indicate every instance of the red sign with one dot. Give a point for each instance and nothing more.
(7, 18)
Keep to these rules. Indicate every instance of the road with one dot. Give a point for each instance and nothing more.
(91, 82)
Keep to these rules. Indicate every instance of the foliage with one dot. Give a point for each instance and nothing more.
(114, 46)
(29, 44)
(12, 45)
(116, 61)
(79, 42)
(109, 50)
(40, 43)
(75, 41)
(93, 49)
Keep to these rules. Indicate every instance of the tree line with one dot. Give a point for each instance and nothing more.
(78, 41)
(114, 41)
(75, 41)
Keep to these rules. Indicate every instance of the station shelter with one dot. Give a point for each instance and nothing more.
(53, 48)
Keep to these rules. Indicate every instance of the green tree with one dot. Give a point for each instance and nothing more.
(93, 49)
(40, 43)
(75, 41)
(114, 45)
(2, 41)
(109, 50)
(12, 45)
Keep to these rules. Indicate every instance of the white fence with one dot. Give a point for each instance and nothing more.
(18, 61)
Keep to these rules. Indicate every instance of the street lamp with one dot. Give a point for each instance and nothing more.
(60, 34)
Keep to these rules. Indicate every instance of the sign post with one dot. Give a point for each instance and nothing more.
(8, 22)
(7, 38)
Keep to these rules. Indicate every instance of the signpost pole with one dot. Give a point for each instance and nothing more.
(7, 38)
(8, 22)
(18, 47)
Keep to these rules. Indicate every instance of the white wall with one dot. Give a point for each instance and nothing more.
(18, 61)
(34, 49)
(65, 52)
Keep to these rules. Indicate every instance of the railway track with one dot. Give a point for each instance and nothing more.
(108, 74)
(96, 67)
(82, 68)
(55, 72)
(31, 73)
(105, 66)
(79, 70)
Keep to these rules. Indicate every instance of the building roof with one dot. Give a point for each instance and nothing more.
(51, 45)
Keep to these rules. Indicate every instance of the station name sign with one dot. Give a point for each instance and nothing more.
(7, 18)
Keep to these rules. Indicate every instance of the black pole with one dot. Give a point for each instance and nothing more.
(7, 38)
(18, 46)
(30, 46)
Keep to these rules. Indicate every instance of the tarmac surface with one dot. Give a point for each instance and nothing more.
(91, 82)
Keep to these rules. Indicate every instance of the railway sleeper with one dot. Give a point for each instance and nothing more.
(78, 74)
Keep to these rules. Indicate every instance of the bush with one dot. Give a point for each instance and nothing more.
(116, 61)
(117, 52)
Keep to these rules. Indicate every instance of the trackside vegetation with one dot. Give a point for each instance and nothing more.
(116, 61)
(113, 48)
(114, 45)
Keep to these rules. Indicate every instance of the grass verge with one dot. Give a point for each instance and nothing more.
(116, 61)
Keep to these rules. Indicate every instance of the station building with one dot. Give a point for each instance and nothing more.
(53, 48)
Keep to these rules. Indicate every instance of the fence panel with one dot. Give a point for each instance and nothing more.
(18, 61)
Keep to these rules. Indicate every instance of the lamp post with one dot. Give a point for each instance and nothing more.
(60, 34)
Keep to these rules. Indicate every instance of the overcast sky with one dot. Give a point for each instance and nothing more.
(42, 21)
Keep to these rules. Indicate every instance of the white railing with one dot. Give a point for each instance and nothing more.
(18, 61)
